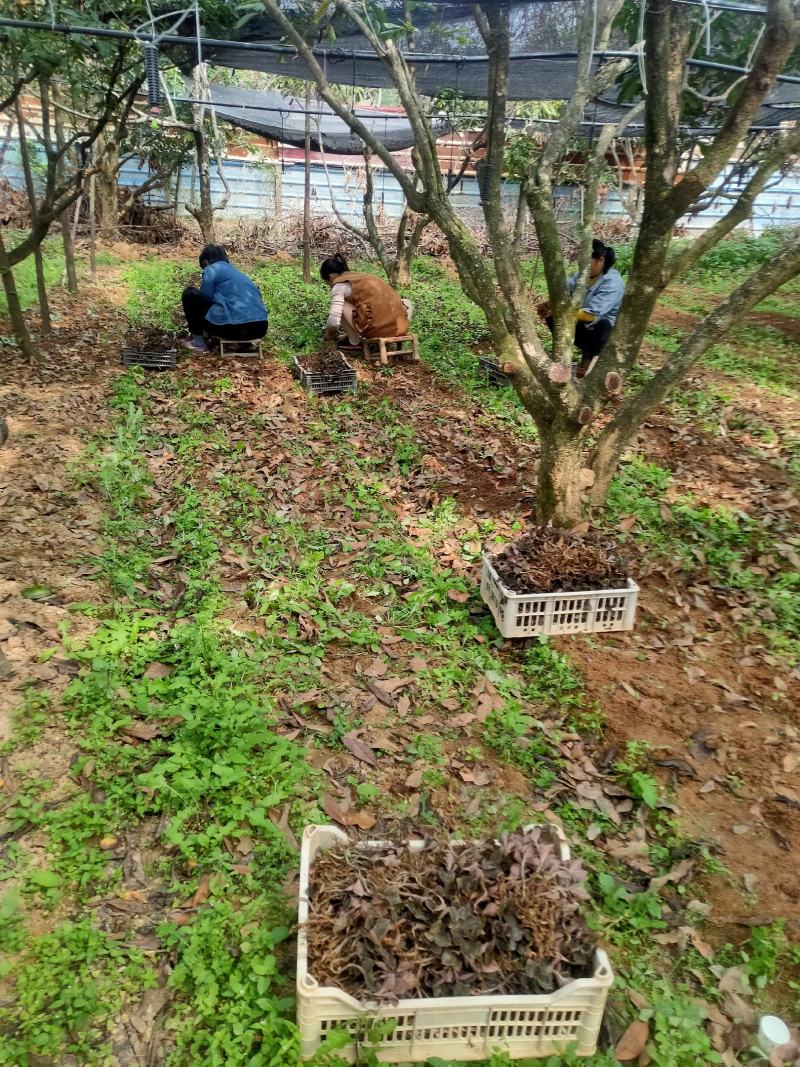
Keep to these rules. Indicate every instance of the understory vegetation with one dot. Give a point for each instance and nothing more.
(257, 565)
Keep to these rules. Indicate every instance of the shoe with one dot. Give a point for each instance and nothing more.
(194, 346)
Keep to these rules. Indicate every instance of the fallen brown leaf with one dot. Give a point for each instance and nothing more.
(414, 780)
(458, 596)
(703, 947)
(631, 1045)
(334, 810)
(142, 731)
(360, 750)
(375, 669)
(477, 775)
(362, 819)
(157, 670)
(677, 874)
(391, 685)
(738, 1010)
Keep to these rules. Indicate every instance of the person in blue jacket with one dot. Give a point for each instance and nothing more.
(596, 318)
(228, 304)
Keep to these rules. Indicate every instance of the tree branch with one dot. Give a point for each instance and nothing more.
(351, 120)
(739, 212)
(779, 40)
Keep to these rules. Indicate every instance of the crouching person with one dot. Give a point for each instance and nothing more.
(227, 305)
(363, 306)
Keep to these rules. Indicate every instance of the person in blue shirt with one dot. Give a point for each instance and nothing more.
(596, 318)
(228, 304)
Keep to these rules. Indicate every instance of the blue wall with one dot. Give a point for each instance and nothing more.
(254, 193)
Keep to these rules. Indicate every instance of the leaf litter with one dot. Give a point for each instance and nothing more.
(499, 917)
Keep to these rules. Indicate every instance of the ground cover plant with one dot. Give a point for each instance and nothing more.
(231, 610)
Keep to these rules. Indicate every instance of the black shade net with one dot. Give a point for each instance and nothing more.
(447, 53)
(282, 118)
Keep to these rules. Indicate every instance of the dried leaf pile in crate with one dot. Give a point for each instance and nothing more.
(150, 339)
(452, 920)
(546, 560)
(326, 362)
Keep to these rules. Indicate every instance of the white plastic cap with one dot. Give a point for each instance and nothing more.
(772, 1033)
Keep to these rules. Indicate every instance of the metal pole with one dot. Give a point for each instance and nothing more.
(307, 192)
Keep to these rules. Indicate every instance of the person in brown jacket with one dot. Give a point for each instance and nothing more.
(363, 305)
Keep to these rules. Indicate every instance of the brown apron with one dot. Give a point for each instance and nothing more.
(379, 311)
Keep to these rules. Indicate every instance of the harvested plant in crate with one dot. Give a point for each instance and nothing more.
(546, 560)
(325, 372)
(452, 919)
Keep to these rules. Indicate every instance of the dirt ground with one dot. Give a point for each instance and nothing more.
(717, 706)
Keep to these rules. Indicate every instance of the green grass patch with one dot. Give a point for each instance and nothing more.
(725, 542)
(25, 272)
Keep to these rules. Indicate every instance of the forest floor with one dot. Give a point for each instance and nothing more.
(229, 610)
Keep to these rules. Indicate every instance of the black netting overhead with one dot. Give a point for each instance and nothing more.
(539, 77)
(282, 118)
(448, 51)
(782, 105)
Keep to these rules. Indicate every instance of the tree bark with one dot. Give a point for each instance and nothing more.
(407, 245)
(204, 213)
(107, 187)
(15, 312)
(307, 189)
(30, 188)
(66, 229)
(559, 495)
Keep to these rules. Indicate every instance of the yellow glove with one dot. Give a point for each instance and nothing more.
(584, 316)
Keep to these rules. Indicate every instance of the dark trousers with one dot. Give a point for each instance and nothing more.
(590, 337)
(195, 306)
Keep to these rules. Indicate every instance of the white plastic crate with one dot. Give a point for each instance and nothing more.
(460, 1028)
(529, 614)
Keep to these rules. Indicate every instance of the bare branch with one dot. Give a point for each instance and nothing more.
(351, 120)
(739, 212)
(778, 41)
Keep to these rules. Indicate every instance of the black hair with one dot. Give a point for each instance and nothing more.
(604, 252)
(213, 254)
(335, 264)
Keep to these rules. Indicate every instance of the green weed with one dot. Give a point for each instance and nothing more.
(67, 984)
(24, 272)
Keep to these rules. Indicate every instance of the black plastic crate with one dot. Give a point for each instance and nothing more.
(343, 381)
(492, 372)
(163, 360)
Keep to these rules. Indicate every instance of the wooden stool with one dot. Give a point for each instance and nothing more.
(248, 349)
(405, 345)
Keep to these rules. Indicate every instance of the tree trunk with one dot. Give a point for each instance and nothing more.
(407, 245)
(400, 274)
(30, 188)
(307, 190)
(66, 229)
(559, 494)
(107, 189)
(92, 232)
(15, 312)
(204, 213)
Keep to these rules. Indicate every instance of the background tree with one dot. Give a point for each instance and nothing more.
(95, 83)
(576, 461)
